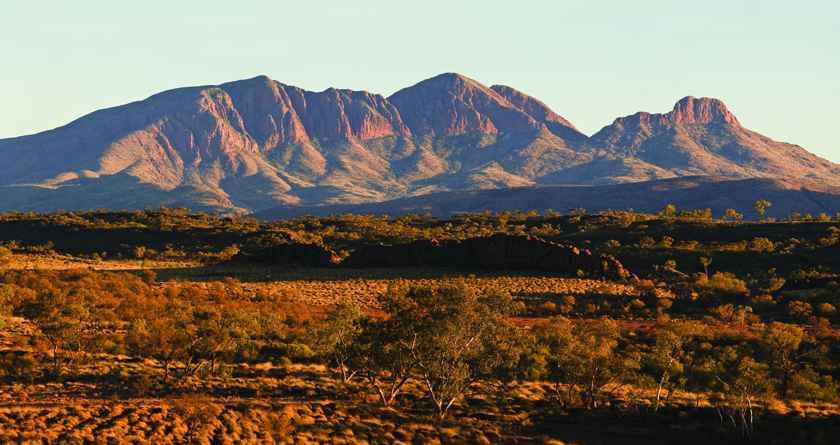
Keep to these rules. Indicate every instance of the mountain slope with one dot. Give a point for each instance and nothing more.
(540, 112)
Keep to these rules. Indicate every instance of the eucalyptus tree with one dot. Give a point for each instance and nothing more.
(665, 358)
(71, 321)
(555, 337)
(595, 362)
(782, 345)
(740, 382)
(158, 337)
(457, 336)
(221, 333)
(759, 207)
(335, 335)
(383, 354)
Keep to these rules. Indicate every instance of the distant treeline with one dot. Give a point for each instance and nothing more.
(791, 247)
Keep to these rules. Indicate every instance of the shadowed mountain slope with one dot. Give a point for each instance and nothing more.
(689, 193)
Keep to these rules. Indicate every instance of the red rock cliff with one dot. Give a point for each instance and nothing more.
(277, 114)
(689, 110)
(344, 113)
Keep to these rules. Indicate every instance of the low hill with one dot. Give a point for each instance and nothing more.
(689, 193)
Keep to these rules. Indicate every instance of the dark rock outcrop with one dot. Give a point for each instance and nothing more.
(297, 253)
(497, 251)
(670, 274)
(798, 284)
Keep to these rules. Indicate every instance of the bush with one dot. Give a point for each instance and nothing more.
(296, 352)
(808, 385)
(826, 309)
(799, 309)
(250, 352)
(548, 308)
(196, 411)
(138, 252)
(19, 366)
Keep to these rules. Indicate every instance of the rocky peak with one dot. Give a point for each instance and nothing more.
(452, 82)
(689, 110)
(539, 111)
(705, 110)
(451, 104)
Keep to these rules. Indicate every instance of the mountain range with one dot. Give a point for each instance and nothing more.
(256, 144)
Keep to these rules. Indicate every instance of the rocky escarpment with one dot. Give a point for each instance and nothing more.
(497, 251)
(275, 114)
(291, 253)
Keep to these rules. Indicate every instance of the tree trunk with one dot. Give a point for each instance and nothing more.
(343, 371)
(752, 421)
(439, 412)
(373, 381)
(55, 358)
(344, 377)
(571, 395)
(785, 384)
(659, 390)
(385, 400)
(670, 391)
(559, 393)
(591, 394)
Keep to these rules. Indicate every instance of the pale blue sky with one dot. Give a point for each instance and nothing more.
(774, 63)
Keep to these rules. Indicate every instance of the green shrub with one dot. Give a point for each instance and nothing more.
(809, 385)
(296, 352)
